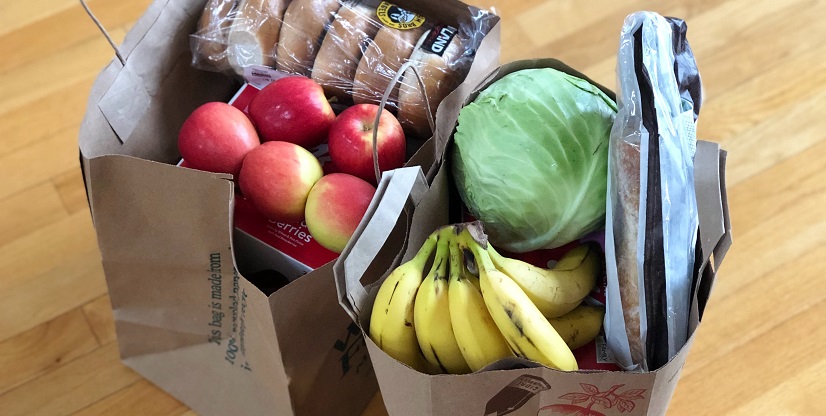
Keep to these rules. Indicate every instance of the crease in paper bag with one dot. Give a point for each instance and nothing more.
(125, 103)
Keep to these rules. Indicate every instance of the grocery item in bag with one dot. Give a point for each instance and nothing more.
(209, 43)
(530, 158)
(340, 52)
(305, 22)
(441, 69)
(254, 33)
(383, 57)
(652, 222)
(352, 48)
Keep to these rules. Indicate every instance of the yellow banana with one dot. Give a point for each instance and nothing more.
(559, 290)
(528, 333)
(431, 315)
(478, 337)
(391, 322)
(579, 326)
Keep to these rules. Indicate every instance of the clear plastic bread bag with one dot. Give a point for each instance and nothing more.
(353, 49)
(235, 34)
(651, 224)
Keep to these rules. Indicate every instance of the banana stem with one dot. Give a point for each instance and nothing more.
(480, 255)
(427, 249)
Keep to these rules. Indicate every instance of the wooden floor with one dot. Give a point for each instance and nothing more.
(763, 63)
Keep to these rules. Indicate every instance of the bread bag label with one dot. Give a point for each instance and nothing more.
(396, 17)
(438, 39)
(260, 76)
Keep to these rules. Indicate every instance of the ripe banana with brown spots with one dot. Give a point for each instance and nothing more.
(558, 290)
(527, 331)
(431, 315)
(579, 326)
(391, 322)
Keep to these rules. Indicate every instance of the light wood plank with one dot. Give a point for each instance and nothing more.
(72, 191)
(738, 49)
(71, 387)
(800, 395)
(768, 194)
(598, 40)
(787, 235)
(44, 348)
(32, 208)
(18, 14)
(786, 228)
(784, 292)
(28, 82)
(754, 369)
(28, 257)
(723, 64)
(798, 127)
(38, 162)
(141, 398)
(42, 281)
(44, 117)
(52, 294)
(519, 45)
(765, 95)
(99, 314)
(552, 20)
(63, 28)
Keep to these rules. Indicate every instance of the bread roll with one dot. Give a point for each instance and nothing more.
(335, 65)
(301, 34)
(440, 78)
(383, 57)
(209, 42)
(253, 33)
(627, 160)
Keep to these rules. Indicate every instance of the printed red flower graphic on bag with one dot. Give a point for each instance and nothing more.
(608, 399)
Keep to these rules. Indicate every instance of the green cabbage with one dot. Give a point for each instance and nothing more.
(530, 158)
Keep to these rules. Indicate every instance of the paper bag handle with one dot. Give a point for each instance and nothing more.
(103, 30)
(396, 189)
(386, 96)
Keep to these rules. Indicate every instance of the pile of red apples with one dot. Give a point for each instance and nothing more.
(267, 153)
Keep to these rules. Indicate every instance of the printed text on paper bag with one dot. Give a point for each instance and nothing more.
(235, 352)
(353, 351)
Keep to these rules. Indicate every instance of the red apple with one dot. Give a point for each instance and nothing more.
(292, 109)
(277, 177)
(335, 207)
(216, 137)
(351, 141)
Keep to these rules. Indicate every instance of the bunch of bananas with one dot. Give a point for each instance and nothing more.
(474, 306)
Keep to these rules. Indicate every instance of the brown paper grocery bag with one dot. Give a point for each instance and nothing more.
(406, 205)
(186, 319)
